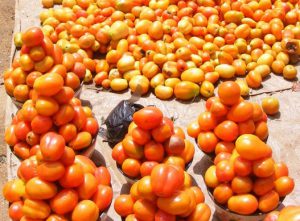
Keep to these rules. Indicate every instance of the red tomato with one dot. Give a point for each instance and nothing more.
(124, 205)
(148, 118)
(28, 169)
(227, 131)
(33, 37)
(166, 179)
(85, 210)
(52, 146)
(73, 177)
(102, 176)
(224, 171)
(51, 171)
(147, 167)
(15, 210)
(64, 201)
(103, 197)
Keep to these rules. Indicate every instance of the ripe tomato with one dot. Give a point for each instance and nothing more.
(222, 156)
(35, 210)
(242, 167)
(82, 140)
(140, 136)
(86, 163)
(85, 210)
(46, 106)
(102, 176)
(207, 121)
(224, 171)
(68, 156)
(270, 105)
(55, 217)
(222, 193)
(154, 151)
(15, 210)
(64, 115)
(39, 189)
(131, 167)
(91, 126)
(227, 131)
(264, 167)
(148, 118)
(14, 190)
(33, 37)
(48, 84)
(144, 189)
(21, 130)
(240, 112)
(263, 185)
(163, 216)
(124, 205)
(28, 169)
(241, 185)
(201, 212)
(64, 95)
(41, 124)
(229, 92)
(268, 202)
(281, 170)
(64, 201)
(224, 147)
(132, 149)
(118, 153)
(51, 171)
(147, 167)
(210, 177)
(207, 141)
(245, 204)
(80, 118)
(22, 150)
(172, 176)
(52, 146)
(68, 131)
(144, 209)
(103, 197)
(164, 131)
(284, 185)
(88, 187)
(247, 127)
(193, 129)
(73, 177)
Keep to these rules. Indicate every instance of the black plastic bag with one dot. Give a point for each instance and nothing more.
(118, 121)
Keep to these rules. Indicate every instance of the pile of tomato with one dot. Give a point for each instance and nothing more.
(167, 193)
(227, 117)
(62, 188)
(152, 139)
(52, 107)
(172, 47)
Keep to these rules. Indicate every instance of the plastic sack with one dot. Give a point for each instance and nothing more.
(118, 121)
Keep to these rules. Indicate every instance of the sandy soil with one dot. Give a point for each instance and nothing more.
(7, 14)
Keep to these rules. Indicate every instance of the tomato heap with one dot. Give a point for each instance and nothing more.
(152, 139)
(39, 56)
(227, 117)
(248, 179)
(60, 186)
(177, 47)
(52, 108)
(165, 194)
(290, 213)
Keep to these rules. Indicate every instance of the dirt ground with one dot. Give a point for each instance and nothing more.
(7, 14)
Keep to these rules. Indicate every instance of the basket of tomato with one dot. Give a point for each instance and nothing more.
(151, 139)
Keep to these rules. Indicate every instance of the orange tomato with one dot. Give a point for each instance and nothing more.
(263, 185)
(207, 121)
(89, 186)
(154, 151)
(227, 131)
(264, 167)
(268, 202)
(33, 37)
(73, 177)
(102, 176)
(224, 171)
(124, 205)
(35, 210)
(241, 185)
(140, 136)
(229, 92)
(132, 149)
(85, 210)
(41, 124)
(51, 171)
(240, 112)
(39, 189)
(103, 197)
(131, 167)
(52, 146)
(148, 118)
(280, 170)
(201, 212)
(284, 185)
(222, 193)
(144, 209)
(46, 106)
(245, 204)
(147, 167)
(207, 141)
(15, 210)
(64, 202)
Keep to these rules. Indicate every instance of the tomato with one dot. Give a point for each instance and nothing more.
(68, 131)
(221, 156)
(270, 105)
(247, 127)
(91, 126)
(201, 212)
(15, 210)
(154, 151)
(140, 136)
(46, 106)
(118, 153)
(81, 141)
(33, 37)
(147, 167)
(222, 193)
(289, 213)
(68, 156)
(179, 132)
(244, 204)
(86, 163)
(210, 177)
(241, 185)
(102, 176)
(144, 189)
(177, 204)
(124, 205)
(64, 115)
(229, 93)
(242, 167)
(35, 209)
(39, 189)
(21, 130)
(240, 112)
(227, 131)
(284, 185)
(268, 202)
(88, 187)
(207, 141)
(250, 147)
(64, 95)
(51, 171)
(162, 132)
(52, 146)
(14, 190)
(207, 121)
(10, 137)
(41, 124)
(85, 210)
(132, 149)
(22, 150)
(280, 170)
(48, 84)
(103, 197)
(131, 167)
(64, 201)
(172, 177)
(80, 118)
(224, 171)
(56, 218)
(32, 138)
(72, 81)
(73, 177)
(28, 169)
(224, 147)
(163, 216)
(218, 109)
(263, 185)
(148, 118)
(264, 167)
